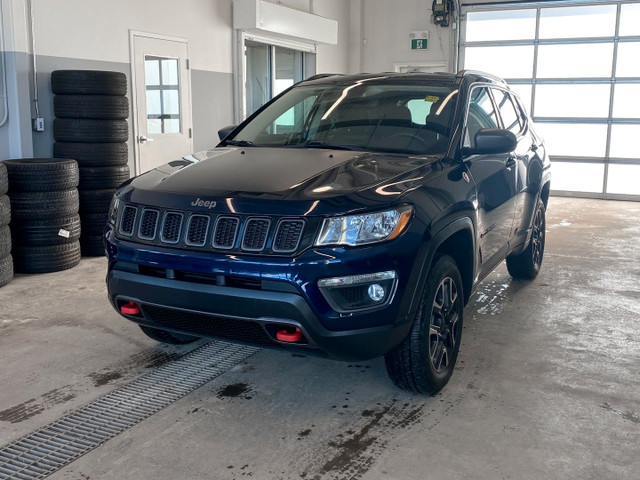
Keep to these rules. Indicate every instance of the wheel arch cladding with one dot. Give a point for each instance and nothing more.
(456, 240)
(544, 193)
(460, 247)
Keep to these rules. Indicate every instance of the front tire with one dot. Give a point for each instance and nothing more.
(526, 265)
(169, 338)
(424, 361)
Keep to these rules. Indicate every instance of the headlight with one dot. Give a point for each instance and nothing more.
(364, 229)
(113, 210)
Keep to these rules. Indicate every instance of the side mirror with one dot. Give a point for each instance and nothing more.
(493, 140)
(225, 131)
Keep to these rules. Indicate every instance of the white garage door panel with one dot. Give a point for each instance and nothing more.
(576, 67)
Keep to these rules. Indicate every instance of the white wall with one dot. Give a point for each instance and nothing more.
(99, 29)
(387, 25)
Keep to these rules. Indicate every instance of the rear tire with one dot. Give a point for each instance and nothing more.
(169, 338)
(424, 361)
(526, 265)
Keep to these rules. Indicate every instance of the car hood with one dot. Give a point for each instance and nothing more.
(249, 176)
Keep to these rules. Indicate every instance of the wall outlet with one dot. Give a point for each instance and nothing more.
(38, 124)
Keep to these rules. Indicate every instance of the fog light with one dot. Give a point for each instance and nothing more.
(376, 292)
(358, 292)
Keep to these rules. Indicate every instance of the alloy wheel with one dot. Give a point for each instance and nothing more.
(443, 326)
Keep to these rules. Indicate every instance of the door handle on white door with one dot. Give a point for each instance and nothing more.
(143, 139)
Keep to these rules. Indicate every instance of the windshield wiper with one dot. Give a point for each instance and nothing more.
(239, 143)
(325, 145)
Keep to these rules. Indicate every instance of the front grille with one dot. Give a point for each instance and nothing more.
(171, 227)
(226, 231)
(197, 230)
(288, 235)
(210, 325)
(128, 220)
(206, 231)
(255, 234)
(148, 224)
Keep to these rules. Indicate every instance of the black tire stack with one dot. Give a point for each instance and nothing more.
(45, 225)
(6, 260)
(91, 127)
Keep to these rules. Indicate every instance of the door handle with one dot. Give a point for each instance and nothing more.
(511, 162)
(143, 139)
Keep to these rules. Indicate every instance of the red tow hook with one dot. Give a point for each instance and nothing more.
(289, 335)
(130, 308)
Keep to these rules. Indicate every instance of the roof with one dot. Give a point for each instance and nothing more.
(412, 77)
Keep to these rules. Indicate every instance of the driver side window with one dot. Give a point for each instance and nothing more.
(481, 114)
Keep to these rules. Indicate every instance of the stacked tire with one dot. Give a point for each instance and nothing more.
(45, 225)
(6, 260)
(91, 112)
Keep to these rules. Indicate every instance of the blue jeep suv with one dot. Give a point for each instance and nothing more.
(350, 217)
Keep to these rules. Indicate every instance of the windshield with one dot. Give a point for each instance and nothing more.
(411, 119)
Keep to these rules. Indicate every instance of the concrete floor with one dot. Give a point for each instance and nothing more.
(547, 382)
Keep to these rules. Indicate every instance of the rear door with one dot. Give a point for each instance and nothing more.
(494, 175)
(514, 121)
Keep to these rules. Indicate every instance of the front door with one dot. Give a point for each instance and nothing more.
(495, 182)
(162, 101)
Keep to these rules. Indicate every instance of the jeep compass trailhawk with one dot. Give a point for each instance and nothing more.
(350, 217)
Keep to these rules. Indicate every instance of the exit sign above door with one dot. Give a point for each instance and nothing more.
(419, 40)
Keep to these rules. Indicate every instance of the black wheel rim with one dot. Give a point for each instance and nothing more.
(443, 327)
(537, 238)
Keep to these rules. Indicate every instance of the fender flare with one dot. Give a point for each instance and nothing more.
(464, 223)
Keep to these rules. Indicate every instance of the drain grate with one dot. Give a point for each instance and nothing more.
(44, 451)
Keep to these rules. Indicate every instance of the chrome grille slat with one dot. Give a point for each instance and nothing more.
(255, 234)
(197, 229)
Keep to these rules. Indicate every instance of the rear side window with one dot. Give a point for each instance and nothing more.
(508, 113)
(481, 114)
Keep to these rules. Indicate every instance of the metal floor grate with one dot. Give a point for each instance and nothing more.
(50, 448)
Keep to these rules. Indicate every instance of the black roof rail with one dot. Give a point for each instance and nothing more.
(479, 73)
(323, 75)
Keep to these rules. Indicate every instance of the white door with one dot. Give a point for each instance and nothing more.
(162, 101)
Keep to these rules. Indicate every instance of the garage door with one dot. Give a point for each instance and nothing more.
(577, 67)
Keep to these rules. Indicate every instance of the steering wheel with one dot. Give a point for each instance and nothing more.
(412, 137)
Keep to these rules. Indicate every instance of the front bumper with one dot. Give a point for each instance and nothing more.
(284, 293)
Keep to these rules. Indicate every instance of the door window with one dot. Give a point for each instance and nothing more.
(510, 118)
(481, 114)
(162, 87)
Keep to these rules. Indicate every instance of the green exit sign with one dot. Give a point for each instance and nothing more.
(419, 40)
(419, 43)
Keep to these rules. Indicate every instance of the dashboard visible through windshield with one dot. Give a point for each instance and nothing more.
(411, 119)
